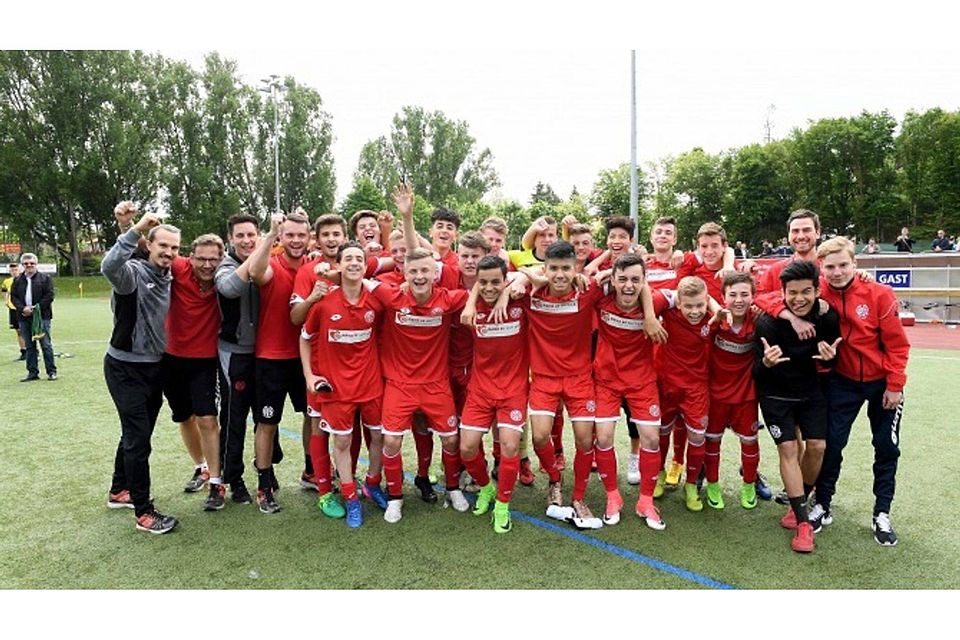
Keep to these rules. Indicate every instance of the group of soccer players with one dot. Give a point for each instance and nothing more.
(392, 333)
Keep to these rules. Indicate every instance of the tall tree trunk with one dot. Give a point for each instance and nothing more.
(76, 264)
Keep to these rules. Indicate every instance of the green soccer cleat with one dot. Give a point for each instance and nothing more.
(748, 495)
(330, 506)
(501, 517)
(658, 490)
(692, 497)
(485, 497)
(714, 495)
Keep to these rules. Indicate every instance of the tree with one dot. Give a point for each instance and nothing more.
(435, 154)
(757, 198)
(611, 191)
(544, 193)
(692, 191)
(365, 195)
(928, 168)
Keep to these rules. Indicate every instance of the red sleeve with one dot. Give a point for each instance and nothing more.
(770, 303)
(386, 294)
(660, 303)
(303, 282)
(373, 267)
(896, 346)
(456, 299)
(312, 323)
(690, 264)
(449, 277)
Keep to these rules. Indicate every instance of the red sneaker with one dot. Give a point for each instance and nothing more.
(789, 521)
(120, 500)
(803, 540)
(526, 473)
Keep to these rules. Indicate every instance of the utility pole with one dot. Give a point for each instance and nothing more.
(634, 187)
(768, 124)
(272, 86)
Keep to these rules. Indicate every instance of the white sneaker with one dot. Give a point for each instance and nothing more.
(457, 501)
(394, 511)
(633, 469)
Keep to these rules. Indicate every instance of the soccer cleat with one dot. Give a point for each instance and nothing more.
(394, 511)
(52, 376)
(31, 379)
(456, 499)
(330, 506)
(748, 495)
(803, 539)
(715, 495)
(423, 484)
(501, 517)
(266, 501)
(583, 518)
(611, 515)
(763, 487)
(526, 473)
(239, 493)
(561, 461)
(120, 500)
(658, 488)
(650, 514)
(673, 475)
(782, 497)
(375, 493)
(554, 494)
(789, 520)
(156, 522)
(819, 517)
(467, 483)
(215, 501)
(883, 531)
(354, 514)
(692, 497)
(486, 496)
(308, 482)
(200, 477)
(633, 469)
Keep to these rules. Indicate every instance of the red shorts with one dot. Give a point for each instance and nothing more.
(480, 412)
(338, 416)
(644, 403)
(459, 379)
(576, 392)
(742, 417)
(433, 399)
(692, 403)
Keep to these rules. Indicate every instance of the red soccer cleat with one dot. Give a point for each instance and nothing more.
(789, 520)
(803, 540)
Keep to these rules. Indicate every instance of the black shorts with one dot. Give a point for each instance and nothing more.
(14, 319)
(191, 386)
(782, 418)
(277, 379)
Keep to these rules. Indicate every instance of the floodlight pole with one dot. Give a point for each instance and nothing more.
(272, 86)
(634, 187)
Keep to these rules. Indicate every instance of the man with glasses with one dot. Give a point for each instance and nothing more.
(33, 293)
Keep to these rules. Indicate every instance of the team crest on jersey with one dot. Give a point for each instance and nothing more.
(404, 310)
(239, 385)
(452, 421)
(516, 312)
(267, 412)
(516, 415)
(436, 311)
(335, 317)
(704, 331)
(369, 317)
(481, 316)
(655, 410)
(863, 311)
(591, 406)
(774, 431)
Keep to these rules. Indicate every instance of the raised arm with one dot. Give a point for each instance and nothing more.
(404, 199)
(115, 265)
(259, 270)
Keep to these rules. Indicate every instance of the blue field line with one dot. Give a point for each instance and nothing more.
(633, 556)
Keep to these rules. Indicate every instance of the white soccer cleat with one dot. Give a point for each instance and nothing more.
(633, 469)
(558, 512)
(583, 518)
(456, 500)
(394, 511)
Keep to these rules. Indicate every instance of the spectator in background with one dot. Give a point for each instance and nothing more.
(784, 249)
(904, 242)
(871, 246)
(766, 249)
(30, 290)
(941, 242)
(741, 251)
(7, 288)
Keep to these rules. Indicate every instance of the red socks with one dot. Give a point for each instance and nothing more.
(548, 460)
(750, 458)
(650, 465)
(582, 462)
(679, 440)
(695, 454)
(451, 468)
(664, 445)
(373, 481)
(349, 490)
(557, 434)
(507, 477)
(424, 445)
(712, 460)
(320, 455)
(393, 470)
(477, 468)
(607, 467)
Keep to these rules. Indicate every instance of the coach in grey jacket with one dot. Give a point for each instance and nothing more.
(131, 367)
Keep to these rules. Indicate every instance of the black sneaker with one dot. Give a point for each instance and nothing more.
(819, 517)
(266, 502)
(156, 522)
(239, 493)
(52, 376)
(214, 501)
(782, 497)
(883, 531)
(200, 477)
(30, 378)
(427, 494)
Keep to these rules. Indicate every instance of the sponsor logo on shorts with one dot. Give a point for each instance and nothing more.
(774, 431)
(516, 312)
(335, 317)
(369, 317)
(452, 421)
(863, 311)
(619, 322)
(267, 412)
(516, 415)
(409, 320)
(570, 306)
(499, 330)
(732, 347)
(591, 406)
(655, 410)
(343, 336)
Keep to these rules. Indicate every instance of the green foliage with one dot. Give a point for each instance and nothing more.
(365, 195)
(544, 193)
(611, 191)
(928, 177)
(692, 192)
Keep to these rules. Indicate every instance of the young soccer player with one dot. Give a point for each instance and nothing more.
(789, 390)
(538, 237)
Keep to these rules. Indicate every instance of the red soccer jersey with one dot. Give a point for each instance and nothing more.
(501, 363)
(731, 364)
(416, 338)
(277, 337)
(452, 260)
(193, 321)
(343, 345)
(560, 331)
(624, 353)
(697, 267)
(461, 341)
(683, 361)
(661, 275)
(307, 277)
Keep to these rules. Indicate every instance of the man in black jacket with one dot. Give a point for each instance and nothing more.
(30, 290)
(788, 388)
